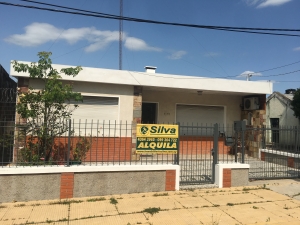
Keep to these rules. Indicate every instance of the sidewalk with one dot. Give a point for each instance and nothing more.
(243, 205)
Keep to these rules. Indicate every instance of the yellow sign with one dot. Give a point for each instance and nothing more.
(157, 130)
(157, 138)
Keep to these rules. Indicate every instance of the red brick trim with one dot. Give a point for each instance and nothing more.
(262, 156)
(226, 177)
(170, 180)
(66, 185)
(291, 162)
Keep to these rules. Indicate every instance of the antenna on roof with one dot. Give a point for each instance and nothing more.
(120, 34)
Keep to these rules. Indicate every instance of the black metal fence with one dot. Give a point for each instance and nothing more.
(73, 142)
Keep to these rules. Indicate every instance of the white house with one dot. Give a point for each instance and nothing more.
(151, 97)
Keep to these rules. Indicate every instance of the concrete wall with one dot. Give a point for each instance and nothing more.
(168, 99)
(42, 183)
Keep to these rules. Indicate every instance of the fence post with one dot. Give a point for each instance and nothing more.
(176, 160)
(215, 151)
(243, 143)
(69, 143)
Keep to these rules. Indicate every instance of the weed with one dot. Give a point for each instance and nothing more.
(65, 202)
(204, 206)
(63, 220)
(96, 199)
(143, 196)
(254, 207)
(161, 194)
(49, 221)
(285, 207)
(19, 205)
(2, 206)
(296, 195)
(230, 204)
(151, 210)
(120, 198)
(113, 201)
(36, 204)
(268, 220)
(216, 205)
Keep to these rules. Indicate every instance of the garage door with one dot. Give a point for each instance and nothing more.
(198, 115)
(97, 108)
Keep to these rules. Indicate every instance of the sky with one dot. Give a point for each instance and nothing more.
(94, 42)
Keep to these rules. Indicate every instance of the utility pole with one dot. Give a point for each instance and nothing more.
(120, 34)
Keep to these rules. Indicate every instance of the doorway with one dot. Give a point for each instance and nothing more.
(275, 129)
(149, 113)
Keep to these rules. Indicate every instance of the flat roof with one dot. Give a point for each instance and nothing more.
(158, 80)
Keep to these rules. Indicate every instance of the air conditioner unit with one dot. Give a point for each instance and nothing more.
(251, 103)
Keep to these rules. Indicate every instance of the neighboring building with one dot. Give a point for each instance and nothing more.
(149, 97)
(280, 115)
(8, 89)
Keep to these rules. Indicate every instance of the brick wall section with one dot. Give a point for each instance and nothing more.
(66, 185)
(291, 162)
(226, 178)
(263, 156)
(170, 180)
(192, 145)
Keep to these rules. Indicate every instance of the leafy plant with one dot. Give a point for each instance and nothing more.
(81, 148)
(47, 109)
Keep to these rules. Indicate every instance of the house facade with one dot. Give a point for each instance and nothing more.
(150, 97)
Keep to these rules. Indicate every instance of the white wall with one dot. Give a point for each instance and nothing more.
(123, 92)
(168, 99)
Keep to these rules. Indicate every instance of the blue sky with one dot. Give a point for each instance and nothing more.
(93, 42)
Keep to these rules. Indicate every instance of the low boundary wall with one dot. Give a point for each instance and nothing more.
(232, 175)
(281, 158)
(43, 183)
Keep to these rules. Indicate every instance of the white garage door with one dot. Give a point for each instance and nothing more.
(97, 108)
(197, 115)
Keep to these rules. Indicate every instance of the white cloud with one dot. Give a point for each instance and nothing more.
(177, 55)
(266, 3)
(247, 72)
(40, 33)
(297, 49)
(136, 44)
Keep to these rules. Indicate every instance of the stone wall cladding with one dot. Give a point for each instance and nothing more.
(239, 177)
(29, 187)
(108, 183)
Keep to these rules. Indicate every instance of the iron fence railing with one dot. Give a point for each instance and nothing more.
(73, 142)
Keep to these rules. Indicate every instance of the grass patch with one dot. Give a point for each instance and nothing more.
(66, 202)
(254, 207)
(230, 204)
(113, 201)
(151, 210)
(161, 194)
(96, 199)
(2, 206)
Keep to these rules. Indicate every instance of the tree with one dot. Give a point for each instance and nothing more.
(46, 110)
(296, 103)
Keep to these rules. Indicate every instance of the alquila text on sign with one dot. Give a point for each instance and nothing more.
(157, 138)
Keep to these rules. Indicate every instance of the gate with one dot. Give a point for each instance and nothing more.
(272, 152)
(196, 158)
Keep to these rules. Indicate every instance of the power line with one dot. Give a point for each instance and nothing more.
(108, 16)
